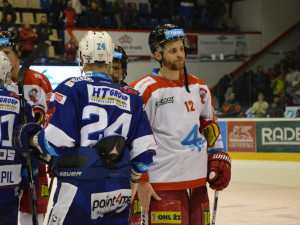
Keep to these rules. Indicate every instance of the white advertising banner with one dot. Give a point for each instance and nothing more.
(209, 44)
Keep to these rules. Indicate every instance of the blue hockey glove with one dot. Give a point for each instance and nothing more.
(20, 137)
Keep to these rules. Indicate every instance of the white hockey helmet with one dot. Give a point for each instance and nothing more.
(96, 47)
(5, 68)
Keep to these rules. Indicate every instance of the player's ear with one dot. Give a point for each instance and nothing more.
(19, 54)
(157, 56)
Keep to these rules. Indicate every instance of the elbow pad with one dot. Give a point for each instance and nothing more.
(142, 162)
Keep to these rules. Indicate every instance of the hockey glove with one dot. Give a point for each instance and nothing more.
(210, 130)
(219, 170)
(20, 138)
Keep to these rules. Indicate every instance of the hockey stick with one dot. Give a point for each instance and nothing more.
(213, 221)
(21, 76)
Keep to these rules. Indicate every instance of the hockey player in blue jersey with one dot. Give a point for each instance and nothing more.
(99, 138)
(119, 67)
(12, 164)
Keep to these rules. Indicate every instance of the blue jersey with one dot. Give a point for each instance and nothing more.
(84, 110)
(12, 164)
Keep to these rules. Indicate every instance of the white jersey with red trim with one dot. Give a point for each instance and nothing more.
(174, 114)
(37, 91)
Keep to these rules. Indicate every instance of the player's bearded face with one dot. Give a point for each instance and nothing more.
(173, 56)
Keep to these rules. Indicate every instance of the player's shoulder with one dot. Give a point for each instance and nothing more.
(144, 82)
(8, 93)
(35, 75)
(195, 80)
(73, 82)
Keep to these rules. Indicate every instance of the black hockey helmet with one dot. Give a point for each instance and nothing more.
(120, 56)
(11, 39)
(162, 34)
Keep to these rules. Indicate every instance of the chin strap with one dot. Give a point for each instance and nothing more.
(186, 80)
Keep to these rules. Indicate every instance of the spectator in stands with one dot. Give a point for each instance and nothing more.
(278, 83)
(69, 15)
(186, 13)
(43, 31)
(8, 9)
(261, 83)
(204, 19)
(56, 14)
(231, 107)
(276, 108)
(117, 9)
(124, 15)
(297, 114)
(172, 7)
(8, 24)
(217, 9)
(259, 108)
(293, 82)
(78, 7)
(134, 19)
(29, 38)
(159, 9)
(221, 88)
(71, 49)
(94, 17)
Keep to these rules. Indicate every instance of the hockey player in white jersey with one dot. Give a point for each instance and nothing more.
(99, 138)
(180, 109)
(12, 163)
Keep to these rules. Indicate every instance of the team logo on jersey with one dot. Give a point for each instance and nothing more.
(203, 94)
(109, 201)
(108, 96)
(59, 98)
(164, 101)
(33, 95)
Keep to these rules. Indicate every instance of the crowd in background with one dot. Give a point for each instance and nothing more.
(265, 93)
(118, 14)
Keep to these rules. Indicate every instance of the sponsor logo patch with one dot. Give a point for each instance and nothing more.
(102, 203)
(109, 96)
(9, 104)
(59, 97)
(164, 101)
(165, 217)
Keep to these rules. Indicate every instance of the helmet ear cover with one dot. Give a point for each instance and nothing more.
(10, 39)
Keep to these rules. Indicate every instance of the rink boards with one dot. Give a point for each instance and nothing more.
(262, 139)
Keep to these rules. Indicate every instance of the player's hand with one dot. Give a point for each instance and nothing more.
(145, 192)
(134, 182)
(22, 137)
(219, 170)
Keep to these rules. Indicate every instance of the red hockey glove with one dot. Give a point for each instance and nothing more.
(210, 130)
(219, 170)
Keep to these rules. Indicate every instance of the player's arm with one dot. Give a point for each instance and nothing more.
(143, 148)
(219, 162)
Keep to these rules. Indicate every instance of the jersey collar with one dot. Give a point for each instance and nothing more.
(155, 72)
(2, 87)
(98, 74)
